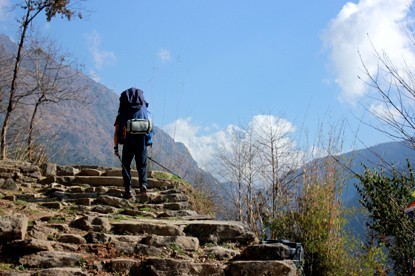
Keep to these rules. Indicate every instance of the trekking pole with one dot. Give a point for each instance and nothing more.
(125, 170)
(163, 167)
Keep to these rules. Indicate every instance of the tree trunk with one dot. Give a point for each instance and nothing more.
(13, 87)
(30, 136)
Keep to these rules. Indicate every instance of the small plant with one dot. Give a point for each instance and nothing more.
(35, 211)
(81, 263)
(58, 220)
(72, 210)
(162, 175)
(20, 202)
(4, 266)
(229, 245)
(20, 267)
(210, 244)
(119, 217)
(211, 255)
(177, 249)
(53, 237)
(201, 202)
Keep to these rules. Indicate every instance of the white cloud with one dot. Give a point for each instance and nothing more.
(204, 147)
(271, 125)
(201, 147)
(164, 55)
(101, 57)
(93, 75)
(383, 23)
(386, 113)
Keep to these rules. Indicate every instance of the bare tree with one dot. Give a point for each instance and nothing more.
(257, 159)
(251, 174)
(32, 9)
(5, 76)
(52, 76)
(393, 90)
(279, 158)
(231, 166)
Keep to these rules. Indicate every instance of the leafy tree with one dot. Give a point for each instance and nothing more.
(385, 195)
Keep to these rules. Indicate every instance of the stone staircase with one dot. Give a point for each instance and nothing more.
(72, 220)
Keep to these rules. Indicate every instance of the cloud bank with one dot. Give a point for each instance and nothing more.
(204, 147)
(359, 28)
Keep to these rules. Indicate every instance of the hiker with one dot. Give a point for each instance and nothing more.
(132, 106)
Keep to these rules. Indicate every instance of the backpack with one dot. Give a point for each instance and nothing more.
(132, 115)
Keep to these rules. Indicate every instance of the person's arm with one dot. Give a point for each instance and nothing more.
(116, 126)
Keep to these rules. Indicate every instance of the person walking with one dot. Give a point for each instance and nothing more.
(132, 105)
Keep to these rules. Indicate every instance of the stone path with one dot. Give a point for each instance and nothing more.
(63, 220)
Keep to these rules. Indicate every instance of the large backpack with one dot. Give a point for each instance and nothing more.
(132, 118)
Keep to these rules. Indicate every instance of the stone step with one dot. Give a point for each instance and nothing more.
(183, 215)
(69, 195)
(285, 267)
(171, 206)
(98, 237)
(31, 198)
(213, 231)
(138, 213)
(168, 266)
(106, 181)
(180, 242)
(144, 226)
(170, 197)
(101, 181)
(48, 259)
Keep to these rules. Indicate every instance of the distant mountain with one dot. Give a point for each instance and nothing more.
(6, 45)
(381, 156)
(377, 157)
(85, 132)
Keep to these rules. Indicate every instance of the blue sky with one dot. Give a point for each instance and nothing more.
(206, 65)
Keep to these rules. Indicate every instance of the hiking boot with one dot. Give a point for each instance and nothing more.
(143, 190)
(127, 195)
(143, 194)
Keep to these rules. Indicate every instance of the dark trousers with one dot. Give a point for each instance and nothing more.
(134, 147)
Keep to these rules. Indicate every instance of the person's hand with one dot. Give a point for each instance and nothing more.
(116, 152)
